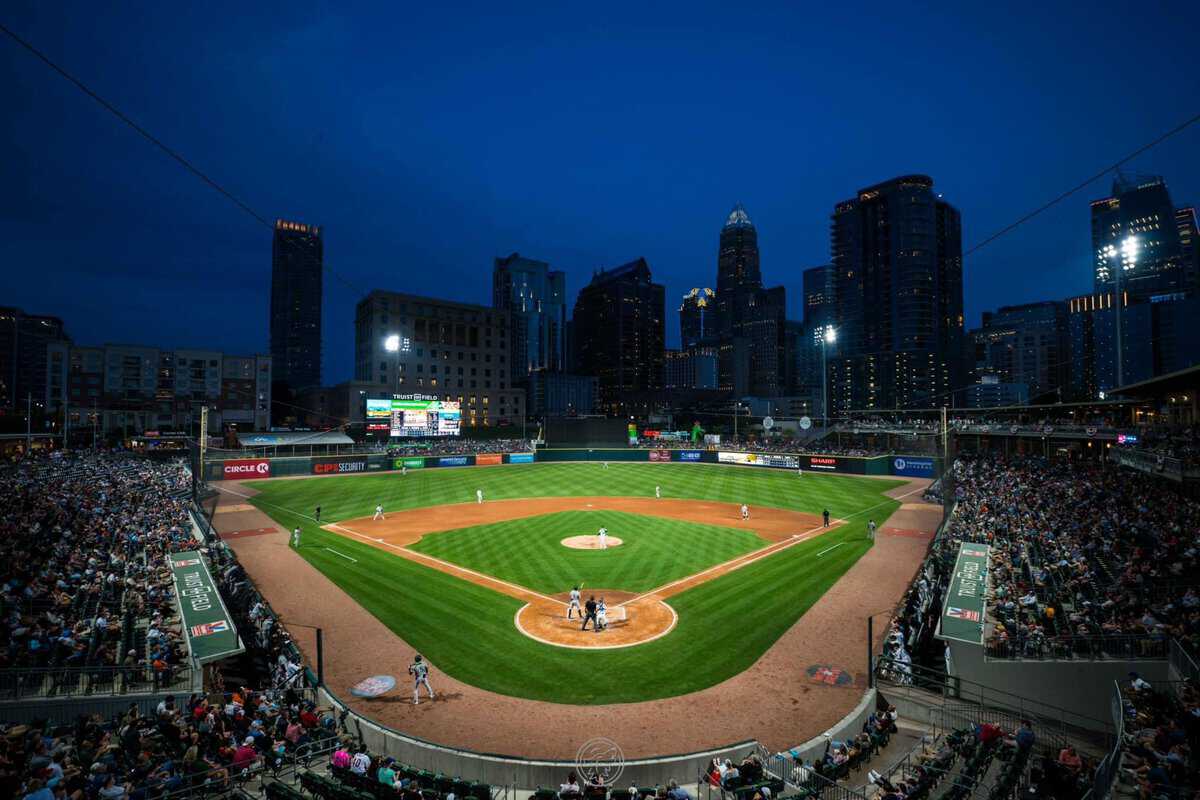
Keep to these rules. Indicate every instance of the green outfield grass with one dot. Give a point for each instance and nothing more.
(467, 630)
(529, 552)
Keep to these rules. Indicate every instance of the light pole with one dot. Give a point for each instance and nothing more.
(1129, 255)
(827, 338)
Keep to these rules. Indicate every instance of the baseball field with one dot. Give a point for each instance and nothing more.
(695, 593)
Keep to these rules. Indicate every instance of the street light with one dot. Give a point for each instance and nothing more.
(828, 338)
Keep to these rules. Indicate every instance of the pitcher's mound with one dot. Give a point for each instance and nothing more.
(590, 542)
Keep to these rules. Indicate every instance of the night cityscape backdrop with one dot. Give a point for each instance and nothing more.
(425, 143)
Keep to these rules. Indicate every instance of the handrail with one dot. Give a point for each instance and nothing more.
(18, 683)
(1072, 647)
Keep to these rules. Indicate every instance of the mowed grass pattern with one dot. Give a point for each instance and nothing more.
(529, 552)
(467, 631)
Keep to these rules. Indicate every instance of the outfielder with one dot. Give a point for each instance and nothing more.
(603, 535)
(573, 605)
(602, 614)
(745, 512)
(657, 492)
(420, 672)
(318, 514)
(479, 496)
(378, 512)
(296, 537)
(799, 472)
(403, 470)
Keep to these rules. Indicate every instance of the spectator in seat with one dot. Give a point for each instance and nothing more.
(570, 788)
(1069, 759)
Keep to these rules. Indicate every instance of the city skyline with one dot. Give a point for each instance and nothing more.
(425, 207)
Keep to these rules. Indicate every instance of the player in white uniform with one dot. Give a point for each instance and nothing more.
(574, 604)
(296, 537)
(657, 492)
(745, 511)
(378, 512)
(403, 470)
(799, 472)
(420, 672)
(479, 495)
(602, 614)
(603, 536)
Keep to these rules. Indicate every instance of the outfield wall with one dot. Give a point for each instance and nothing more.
(258, 468)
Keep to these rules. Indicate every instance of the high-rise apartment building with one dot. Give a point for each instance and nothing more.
(1025, 345)
(898, 298)
(535, 298)
(23, 341)
(619, 330)
(297, 277)
(441, 348)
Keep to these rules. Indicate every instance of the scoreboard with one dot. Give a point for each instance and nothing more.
(415, 415)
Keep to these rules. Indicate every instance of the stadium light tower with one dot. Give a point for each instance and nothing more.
(392, 345)
(828, 338)
(1129, 256)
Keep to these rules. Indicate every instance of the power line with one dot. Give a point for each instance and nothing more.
(1055, 201)
(158, 143)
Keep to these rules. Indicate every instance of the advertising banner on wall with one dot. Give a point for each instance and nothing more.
(962, 611)
(660, 455)
(206, 622)
(520, 458)
(825, 463)
(487, 459)
(690, 455)
(339, 466)
(454, 461)
(759, 459)
(911, 467)
(246, 468)
(411, 462)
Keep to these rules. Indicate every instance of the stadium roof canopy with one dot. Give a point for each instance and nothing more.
(1185, 380)
(289, 438)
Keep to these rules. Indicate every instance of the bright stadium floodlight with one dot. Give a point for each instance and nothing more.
(830, 334)
(392, 343)
(1129, 249)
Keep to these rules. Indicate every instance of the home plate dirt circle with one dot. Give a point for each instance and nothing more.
(631, 621)
(589, 542)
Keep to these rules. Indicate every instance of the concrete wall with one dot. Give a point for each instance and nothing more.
(1081, 687)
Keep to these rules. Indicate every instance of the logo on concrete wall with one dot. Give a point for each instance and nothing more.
(599, 759)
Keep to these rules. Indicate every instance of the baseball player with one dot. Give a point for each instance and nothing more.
(606, 465)
(403, 470)
(318, 514)
(479, 496)
(657, 492)
(378, 512)
(601, 615)
(296, 537)
(871, 530)
(825, 516)
(603, 534)
(420, 672)
(799, 472)
(573, 605)
(745, 512)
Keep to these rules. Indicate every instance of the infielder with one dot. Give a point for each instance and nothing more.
(603, 535)
(657, 492)
(420, 672)
(296, 537)
(871, 530)
(318, 514)
(479, 496)
(745, 512)
(378, 512)
(601, 614)
(573, 605)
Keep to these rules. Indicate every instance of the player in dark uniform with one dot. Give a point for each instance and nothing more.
(590, 609)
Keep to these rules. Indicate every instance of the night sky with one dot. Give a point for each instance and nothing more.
(428, 142)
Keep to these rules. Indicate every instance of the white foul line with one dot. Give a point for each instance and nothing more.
(827, 549)
(343, 555)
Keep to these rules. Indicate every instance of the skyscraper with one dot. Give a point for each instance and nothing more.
(619, 332)
(297, 261)
(696, 317)
(535, 298)
(898, 298)
(1136, 241)
(1026, 345)
(23, 341)
(750, 320)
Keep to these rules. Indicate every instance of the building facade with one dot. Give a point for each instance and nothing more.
(619, 331)
(898, 298)
(557, 394)
(297, 280)
(23, 341)
(535, 298)
(1136, 241)
(692, 368)
(697, 315)
(456, 351)
(135, 389)
(1024, 345)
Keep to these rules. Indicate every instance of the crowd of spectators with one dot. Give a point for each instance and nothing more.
(1180, 442)
(453, 446)
(1162, 732)
(1084, 555)
(83, 543)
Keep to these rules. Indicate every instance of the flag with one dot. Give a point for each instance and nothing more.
(208, 628)
(187, 562)
(962, 613)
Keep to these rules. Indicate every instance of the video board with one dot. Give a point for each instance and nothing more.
(415, 415)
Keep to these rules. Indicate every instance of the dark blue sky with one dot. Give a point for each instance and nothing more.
(428, 141)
